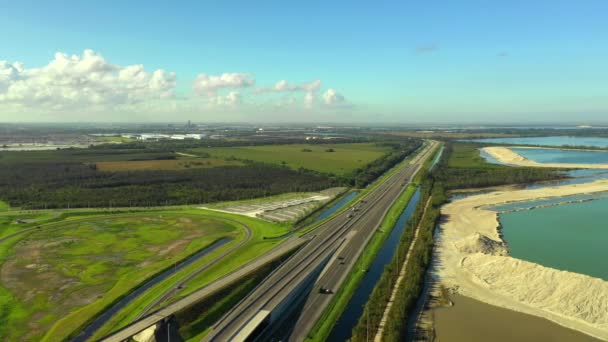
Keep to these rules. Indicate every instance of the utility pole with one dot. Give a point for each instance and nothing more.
(367, 326)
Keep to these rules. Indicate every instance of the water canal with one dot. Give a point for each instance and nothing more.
(344, 325)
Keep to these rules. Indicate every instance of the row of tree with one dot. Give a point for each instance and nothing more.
(72, 185)
(399, 150)
(70, 179)
(442, 179)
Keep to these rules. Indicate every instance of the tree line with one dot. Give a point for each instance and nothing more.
(436, 186)
(77, 185)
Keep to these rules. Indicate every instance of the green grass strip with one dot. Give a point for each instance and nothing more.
(325, 324)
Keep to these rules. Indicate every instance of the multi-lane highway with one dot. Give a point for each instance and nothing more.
(334, 248)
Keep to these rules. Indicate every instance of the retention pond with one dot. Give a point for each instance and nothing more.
(570, 237)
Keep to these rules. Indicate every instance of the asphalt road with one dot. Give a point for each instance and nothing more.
(339, 268)
(348, 234)
(182, 283)
(157, 316)
(104, 317)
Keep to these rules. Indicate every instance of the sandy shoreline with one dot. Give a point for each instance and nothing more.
(507, 156)
(474, 261)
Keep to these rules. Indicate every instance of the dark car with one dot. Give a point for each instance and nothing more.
(324, 290)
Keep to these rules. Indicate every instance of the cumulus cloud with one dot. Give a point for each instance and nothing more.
(284, 86)
(309, 89)
(333, 98)
(70, 86)
(210, 84)
(83, 80)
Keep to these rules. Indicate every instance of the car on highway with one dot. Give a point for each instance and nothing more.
(325, 290)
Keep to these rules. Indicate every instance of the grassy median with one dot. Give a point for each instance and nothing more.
(324, 325)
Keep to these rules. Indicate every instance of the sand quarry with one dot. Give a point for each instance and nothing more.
(474, 261)
(508, 156)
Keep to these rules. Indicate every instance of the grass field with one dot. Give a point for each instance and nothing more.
(4, 206)
(257, 246)
(171, 164)
(345, 158)
(116, 139)
(57, 277)
(467, 156)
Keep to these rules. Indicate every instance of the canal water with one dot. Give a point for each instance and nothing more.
(109, 313)
(342, 202)
(343, 328)
(570, 237)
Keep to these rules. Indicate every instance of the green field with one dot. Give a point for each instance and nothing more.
(168, 164)
(344, 160)
(468, 156)
(56, 277)
(257, 246)
(4, 206)
(116, 139)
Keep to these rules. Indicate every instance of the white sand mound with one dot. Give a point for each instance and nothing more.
(508, 156)
(479, 243)
(473, 260)
(562, 293)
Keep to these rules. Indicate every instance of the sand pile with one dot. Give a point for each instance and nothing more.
(508, 156)
(473, 261)
(479, 243)
(559, 292)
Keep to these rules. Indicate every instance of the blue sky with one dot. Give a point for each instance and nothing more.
(392, 61)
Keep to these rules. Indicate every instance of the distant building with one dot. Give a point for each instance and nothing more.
(195, 136)
(152, 137)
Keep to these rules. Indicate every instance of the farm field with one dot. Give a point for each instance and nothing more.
(97, 178)
(344, 159)
(73, 266)
(170, 164)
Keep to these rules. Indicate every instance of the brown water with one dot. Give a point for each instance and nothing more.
(470, 320)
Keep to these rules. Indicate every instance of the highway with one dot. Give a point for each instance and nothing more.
(336, 271)
(348, 233)
(150, 320)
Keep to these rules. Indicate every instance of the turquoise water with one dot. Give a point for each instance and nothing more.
(549, 141)
(571, 237)
(544, 155)
(516, 206)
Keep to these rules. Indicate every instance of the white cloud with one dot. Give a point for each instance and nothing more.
(78, 81)
(71, 86)
(210, 84)
(309, 89)
(333, 98)
(284, 86)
